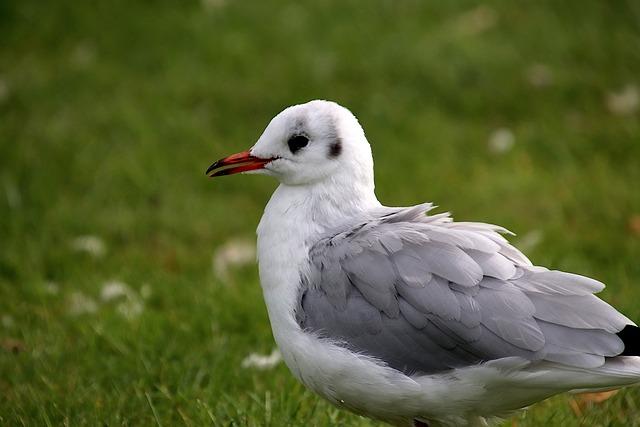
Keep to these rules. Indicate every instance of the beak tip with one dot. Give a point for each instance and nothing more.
(211, 168)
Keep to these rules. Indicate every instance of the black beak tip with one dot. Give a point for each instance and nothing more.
(212, 167)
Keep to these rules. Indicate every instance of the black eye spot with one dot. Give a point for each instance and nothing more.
(296, 142)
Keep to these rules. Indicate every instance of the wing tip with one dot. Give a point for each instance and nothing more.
(630, 336)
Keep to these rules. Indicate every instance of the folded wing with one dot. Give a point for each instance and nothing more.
(424, 294)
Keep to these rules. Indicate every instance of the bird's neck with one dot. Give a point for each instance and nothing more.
(295, 213)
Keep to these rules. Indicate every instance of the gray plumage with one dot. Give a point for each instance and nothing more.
(424, 294)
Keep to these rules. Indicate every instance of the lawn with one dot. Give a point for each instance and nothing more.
(112, 311)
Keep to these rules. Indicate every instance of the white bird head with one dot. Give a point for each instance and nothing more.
(306, 144)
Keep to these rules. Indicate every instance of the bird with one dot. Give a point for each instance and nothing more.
(408, 317)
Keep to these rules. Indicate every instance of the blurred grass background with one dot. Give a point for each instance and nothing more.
(523, 114)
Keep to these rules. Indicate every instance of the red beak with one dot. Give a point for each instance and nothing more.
(244, 160)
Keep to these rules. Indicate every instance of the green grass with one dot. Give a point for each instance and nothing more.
(110, 112)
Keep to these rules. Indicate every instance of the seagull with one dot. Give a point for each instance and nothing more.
(407, 317)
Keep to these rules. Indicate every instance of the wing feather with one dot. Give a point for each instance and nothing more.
(425, 294)
(435, 298)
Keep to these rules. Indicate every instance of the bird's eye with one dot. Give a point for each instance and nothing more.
(296, 142)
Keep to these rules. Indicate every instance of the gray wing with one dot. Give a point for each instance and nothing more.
(425, 294)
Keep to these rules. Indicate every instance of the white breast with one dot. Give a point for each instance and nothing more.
(287, 229)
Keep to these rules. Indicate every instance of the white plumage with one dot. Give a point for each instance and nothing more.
(407, 317)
